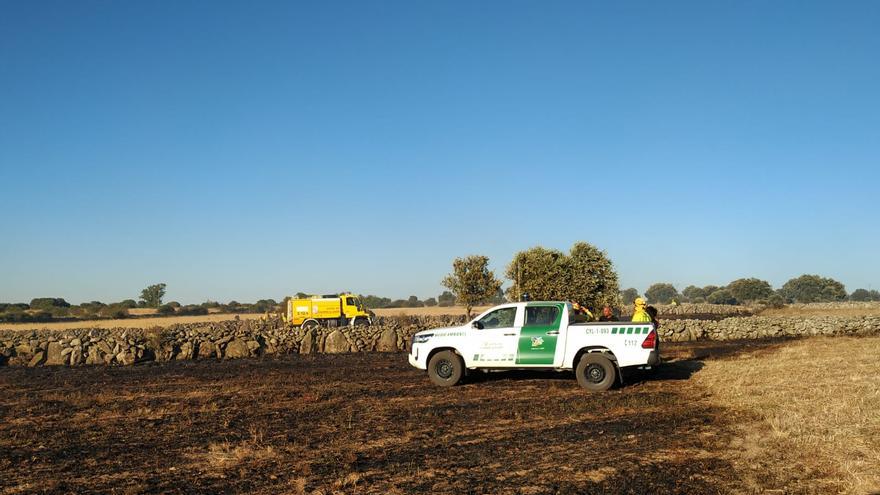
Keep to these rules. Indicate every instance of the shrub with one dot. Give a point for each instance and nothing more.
(129, 303)
(776, 301)
(165, 310)
(114, 311)
(721, 296)
(430, 302)
(192, 309)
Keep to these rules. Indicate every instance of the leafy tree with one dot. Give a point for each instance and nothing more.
(174, 304)
(152, 295)
(585, 275)
(129, 303)
(47, 303)
(301, 295)
(721, 296)
(375, 301)
(813, 288)
(662, 293)
(430, 302)
(414, 302)
(446, 299)
(471, 281)
(629, 296)
(750, 289)
(864, 295)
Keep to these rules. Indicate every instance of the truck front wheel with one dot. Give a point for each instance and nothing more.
(445, 368)
(595, 372)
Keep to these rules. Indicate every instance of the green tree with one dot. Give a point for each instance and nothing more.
(662, 293)
(446, 299)
(48, 303)
(629, 296)
(750, 289)
(585, 275)
(471, 281)
(414, 302)
(864, 295)
(813, 288)
(430, 302)
(152, 295)
(129, 303)
(721, 296)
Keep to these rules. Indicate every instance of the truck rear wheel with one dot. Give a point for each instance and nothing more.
(310, 324)
(595, 372)
(445, 368)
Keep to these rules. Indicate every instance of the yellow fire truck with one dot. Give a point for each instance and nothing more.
(331, 310)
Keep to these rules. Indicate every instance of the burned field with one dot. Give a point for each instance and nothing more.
(361, 423)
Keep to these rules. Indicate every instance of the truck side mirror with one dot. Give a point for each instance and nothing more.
(477, 325)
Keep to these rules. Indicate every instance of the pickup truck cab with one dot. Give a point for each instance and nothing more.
(542, 335)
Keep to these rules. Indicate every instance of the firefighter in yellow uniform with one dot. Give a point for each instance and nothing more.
(639, 314)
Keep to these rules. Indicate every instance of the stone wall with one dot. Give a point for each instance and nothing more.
(237, 339)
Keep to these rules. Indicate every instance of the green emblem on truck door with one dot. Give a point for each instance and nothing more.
(540, 331)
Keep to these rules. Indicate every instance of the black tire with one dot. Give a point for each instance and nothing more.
(445, 368)
(361, 321)
(310, 324)
(595, 372)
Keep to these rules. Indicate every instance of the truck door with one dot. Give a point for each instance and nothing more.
(495, 343)
(539, 334)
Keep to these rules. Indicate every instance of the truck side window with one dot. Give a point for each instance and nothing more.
(349, 301)
(541, 315)
(500, 318)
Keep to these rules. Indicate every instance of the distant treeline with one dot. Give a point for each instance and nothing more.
(803, 289)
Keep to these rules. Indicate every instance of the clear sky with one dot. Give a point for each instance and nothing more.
(247, 150)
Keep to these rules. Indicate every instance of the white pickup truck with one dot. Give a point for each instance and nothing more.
(536, 335)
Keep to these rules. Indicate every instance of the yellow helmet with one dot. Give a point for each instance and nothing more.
(639, 301)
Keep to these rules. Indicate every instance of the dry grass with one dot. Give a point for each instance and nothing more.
(128, 323)
(428, 311)
(815, 409)
(807, 310)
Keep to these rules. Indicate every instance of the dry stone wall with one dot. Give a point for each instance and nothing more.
(237, 339)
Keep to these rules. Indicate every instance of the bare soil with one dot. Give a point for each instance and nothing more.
(369, 423)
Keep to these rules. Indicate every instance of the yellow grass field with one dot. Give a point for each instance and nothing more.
(809, 410)
(127, 323)
(143, 320)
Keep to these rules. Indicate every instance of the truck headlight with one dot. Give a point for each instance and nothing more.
(421, 339)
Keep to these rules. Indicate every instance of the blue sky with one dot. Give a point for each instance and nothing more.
(247, 150)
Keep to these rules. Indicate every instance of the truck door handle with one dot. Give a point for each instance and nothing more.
(553, 332)
(509, 334)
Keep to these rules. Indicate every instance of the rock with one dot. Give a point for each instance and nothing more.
(237, 349)
(38, 359)
(388, 341)
(24, 350)
(253, 346)
(206, 350)
(75, 342)
(54, 357)
(66, 351)
(308, 345)
(76, 357)
(186, 351)
(336, 343)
